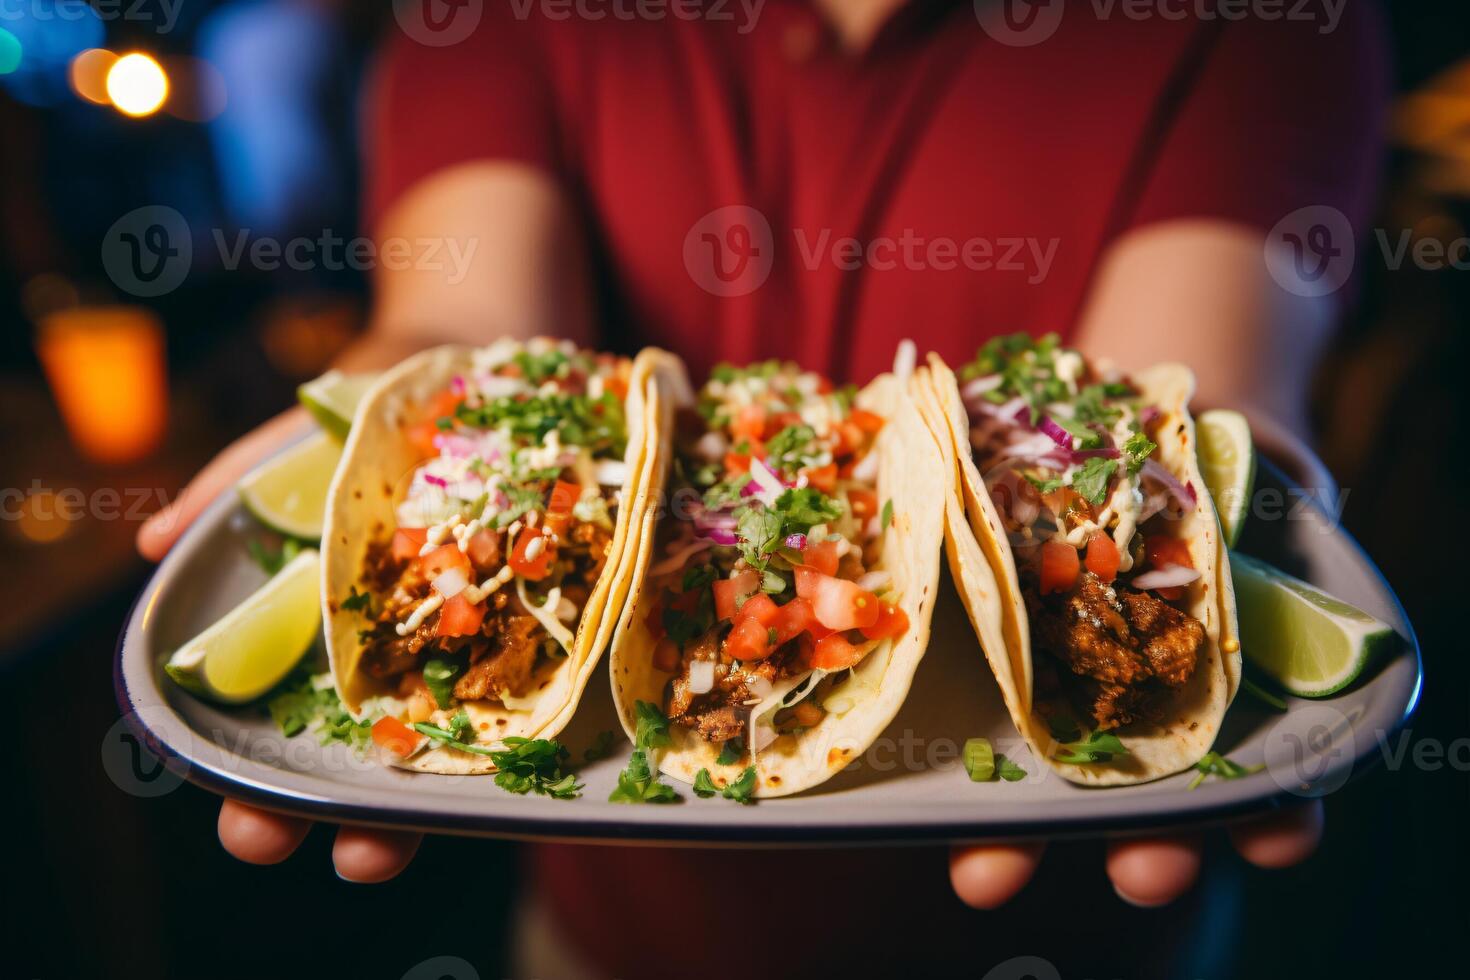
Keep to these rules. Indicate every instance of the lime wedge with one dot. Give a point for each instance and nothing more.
(1308, 642)
(1228, 463)
(332, 398)
(257, 643)
(289, 493)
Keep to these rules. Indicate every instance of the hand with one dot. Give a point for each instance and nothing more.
(1146, 872)
(253, 835)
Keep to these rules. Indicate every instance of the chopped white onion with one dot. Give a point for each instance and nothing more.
(770, 487)
(875, 581)
(450, 583)
(611, 472)
(759, 688)
(866, 470)
(566, 610)
(1165, 578)
(979, 386)
(712, 447)
(701, 676)
(904, 360)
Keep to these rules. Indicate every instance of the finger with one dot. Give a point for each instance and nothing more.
(162, 529)
(369, 856)
(259, 836)
(990, 875)
(1280, 840)
(1154, 871)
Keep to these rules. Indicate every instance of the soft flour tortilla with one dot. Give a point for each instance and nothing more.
(376, 462)
(912, 474)
(984, 568)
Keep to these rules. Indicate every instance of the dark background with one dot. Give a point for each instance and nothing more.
(101, 883)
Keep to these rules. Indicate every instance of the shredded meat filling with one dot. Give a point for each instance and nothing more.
(1122, 651)
(720, 713)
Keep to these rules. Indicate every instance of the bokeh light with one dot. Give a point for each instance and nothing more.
(88, 74)
(45, 516)
(9, 52)
(137, 85)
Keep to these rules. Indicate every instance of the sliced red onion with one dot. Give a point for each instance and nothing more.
(1181, 492)
(1022, 415)
(797, 541)
(437, 481)
(1167, 577)
(769, 485)
(1152, 504)
(1058, 435)
(750, 489)
(1107, 452)
(701, 676)
(1148, 415)
(450, 583)
(1005, 410)
(1031, 448)
(721, 535)
(456, 384)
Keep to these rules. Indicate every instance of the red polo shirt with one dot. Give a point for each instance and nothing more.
(749, 190)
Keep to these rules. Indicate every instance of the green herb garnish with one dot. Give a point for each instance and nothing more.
(439, 679)
(887, 517)
(528, 764)
(1215, 764)
(731, 752)
(274, 561)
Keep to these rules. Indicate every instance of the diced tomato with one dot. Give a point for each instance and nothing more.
(824, 478)
(1170, 592)
(654, 621)
(484, 549)
(760, 607)
(749, 640)
(421, 435)
(892, 622)
(1059, 567)
(407, 541)
(666, 656)
(1102, 557)
(616, 385)
(850, 438)
(821, 555)
(869, 422)
(778, 421)
(749, 423)
(460, 617)
(394, 736)
(864, 503)
(737, 463)
(792, 619)
(835, 652)
(442, 559)
(729, 590)
(843, 605)
(1163, 550)
(807, 578)
(563, 497)
(529, 559)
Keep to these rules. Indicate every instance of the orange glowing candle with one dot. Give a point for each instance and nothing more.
(105, 365)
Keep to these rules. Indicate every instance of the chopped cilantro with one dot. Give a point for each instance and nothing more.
(580, 420)
(1008, 770)
(698, 577)
(359, 602)
(1215, 764)
(302, 702)
(704, 786)
(537, 369)
(639, 783)
(1136, 450)
(731, 752)
(741, 789)
(439, 677)
(1081, 748)
(651, 730)
(983, 764)
(1086, 436)
(274, 561)
(887, 517)
(528, 764)
(1092, 479)
(726, 493)
(793, 448)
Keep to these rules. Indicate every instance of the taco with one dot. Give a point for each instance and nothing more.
(476, 541)
(782, 604)
(1088, 555)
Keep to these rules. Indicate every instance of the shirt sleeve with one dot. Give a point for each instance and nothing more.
(428, 108)
(1270, 117)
